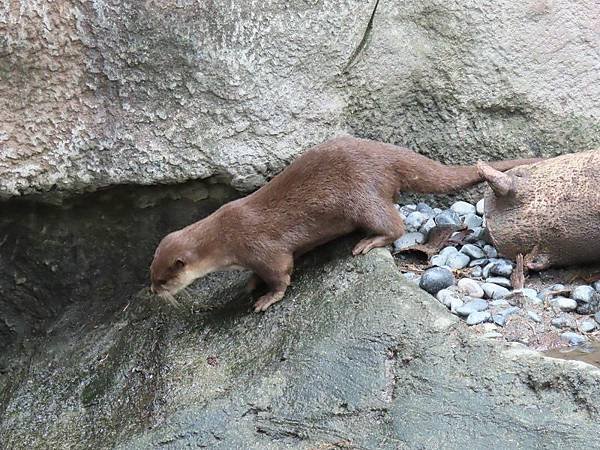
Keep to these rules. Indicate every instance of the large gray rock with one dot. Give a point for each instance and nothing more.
(102, 93)
(353, 356)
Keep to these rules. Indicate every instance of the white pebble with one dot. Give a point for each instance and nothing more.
(494, 291)
(463, 208)
(470, 287)
(480, 207)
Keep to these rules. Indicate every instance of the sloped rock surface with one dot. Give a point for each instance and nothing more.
(353, 356)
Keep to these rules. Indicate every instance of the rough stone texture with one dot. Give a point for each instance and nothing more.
(95, 248)
(353, 356)
(102, 93)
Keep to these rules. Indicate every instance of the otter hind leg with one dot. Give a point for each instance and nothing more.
(384, 225)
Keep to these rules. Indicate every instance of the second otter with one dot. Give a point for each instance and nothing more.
(330, 190)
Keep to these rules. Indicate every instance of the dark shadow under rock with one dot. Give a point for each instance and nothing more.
(353, 356)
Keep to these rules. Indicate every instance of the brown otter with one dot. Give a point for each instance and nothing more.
(330, 190)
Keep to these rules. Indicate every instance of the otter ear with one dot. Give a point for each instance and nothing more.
(179, 263)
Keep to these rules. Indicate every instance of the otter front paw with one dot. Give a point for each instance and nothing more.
(267, 300)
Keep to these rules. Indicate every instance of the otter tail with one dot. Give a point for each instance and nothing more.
(423, 175)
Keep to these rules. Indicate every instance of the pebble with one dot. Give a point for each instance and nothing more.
(407, 209)
(492, 335)
(563, 321)
(486, 270)
(499, 319)
(597, 317)
(408, 240)
(502, 267)
(438, 260)
(412, 277)
(479, 262)
(435, 279)
(449, 218)
(499, 303)
(564, 303)
(525, 296)
(424, 208)
(414, 221)
(591, 307)
(471, 307)
(458, 261)
(481, 233)
(463, 208)
(480, 207)
(456, 303)
(490, 251)
(596, 285)
(511, 310)
(447, 251)
(555, 287)
(500, 281)
(470, 287)
(445, 296)
(427, 227)
(587, 325)
(534, 316)
(494, 291)
(572, 338)
(472, 221)
(472, 251)
(477, 272)
(478, 317)
(583, 294)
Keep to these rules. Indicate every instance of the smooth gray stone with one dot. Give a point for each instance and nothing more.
(447, 251)
(472, 251)
(564, 303)
(435, 279)
(500, 281)
(463, 208)
(470, 287)
(588, 325)
(478, 317)
(490, 251)
(414, 221)
(480, 207)
(427, 227)
(564, 321)
(408, 240)
(445, 296)
(472, 306)
(448, 218)
(494, 291)
(458, 261)
(472, 221)
(573, 338)
(502, 268)
(583, 294)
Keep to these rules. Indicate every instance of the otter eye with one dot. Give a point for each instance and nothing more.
(179, 263)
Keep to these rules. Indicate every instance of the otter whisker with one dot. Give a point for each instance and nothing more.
(170, 298)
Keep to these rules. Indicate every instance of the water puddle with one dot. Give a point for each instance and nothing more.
(589, 353)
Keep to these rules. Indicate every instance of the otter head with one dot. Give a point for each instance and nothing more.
(178, 260)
